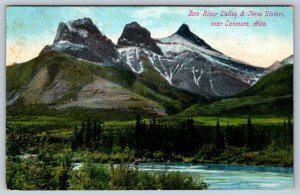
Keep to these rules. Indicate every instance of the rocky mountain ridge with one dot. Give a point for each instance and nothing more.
(135, 35)
(183, 59)
(85, 69)
(189, 63)
(82, 39)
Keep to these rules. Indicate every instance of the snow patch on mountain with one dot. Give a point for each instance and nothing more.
(131, 55)
(197, 78)
(176, 43)
(212, 87)
(158, 65)
(82, 32)
(63, 45)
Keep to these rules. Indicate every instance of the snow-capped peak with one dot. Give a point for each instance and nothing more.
(184, 31)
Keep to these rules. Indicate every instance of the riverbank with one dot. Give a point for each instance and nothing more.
(270, 156)
(229, 177)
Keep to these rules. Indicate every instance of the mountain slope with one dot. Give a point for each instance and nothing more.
(61, 81)
(271, 95)
(244, 106)
(188, 62)
(183, 59)
(184, 32)
(278, 64)
(276, 83)
(151, 84)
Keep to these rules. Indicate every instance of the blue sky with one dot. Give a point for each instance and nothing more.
(29, 29)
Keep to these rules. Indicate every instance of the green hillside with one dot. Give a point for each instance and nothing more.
(149, 87)
(75, 71)
(271, 95)
(250, 105)
(277, 83)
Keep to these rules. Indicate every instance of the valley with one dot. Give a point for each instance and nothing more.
(109, 106)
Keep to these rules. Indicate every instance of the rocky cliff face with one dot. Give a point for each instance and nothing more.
(189, 63)
(82, 39)
(184, 32)
(135, 35)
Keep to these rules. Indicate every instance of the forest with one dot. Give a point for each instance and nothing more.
(47, 158)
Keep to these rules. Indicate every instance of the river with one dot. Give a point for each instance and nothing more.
(230, 177)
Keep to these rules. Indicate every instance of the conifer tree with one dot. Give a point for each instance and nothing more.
(228, 136)
(250, 136)
(219, 137)
(290, 130)
(75, 139)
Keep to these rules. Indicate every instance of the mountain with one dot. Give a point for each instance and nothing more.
(278, 64)
(183, 59)
(188, 62)
(61, 82)
(82, 39)
(276, 83)
(271, 95)
(184, 32)
(65, 82)
(135, 35)
(83, 69)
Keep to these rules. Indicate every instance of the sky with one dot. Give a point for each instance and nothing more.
(29, 29)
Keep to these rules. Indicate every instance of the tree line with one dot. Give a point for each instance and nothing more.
(187, 139)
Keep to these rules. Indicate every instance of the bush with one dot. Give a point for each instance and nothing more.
(29, 175)
(207, 152)
(125, 178)
(90, 177)
(178, 181)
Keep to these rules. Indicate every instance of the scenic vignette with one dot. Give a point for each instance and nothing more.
(149, 98)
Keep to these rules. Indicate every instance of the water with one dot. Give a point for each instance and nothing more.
(230, 177)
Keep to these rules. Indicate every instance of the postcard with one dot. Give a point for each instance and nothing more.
(149, 97)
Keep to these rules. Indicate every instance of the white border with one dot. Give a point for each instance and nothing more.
(295, 3)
